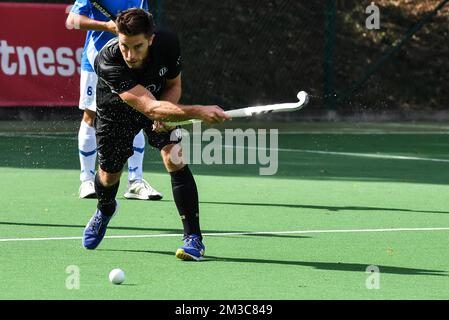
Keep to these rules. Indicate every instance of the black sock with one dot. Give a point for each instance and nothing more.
(185, 194)
(106, 196)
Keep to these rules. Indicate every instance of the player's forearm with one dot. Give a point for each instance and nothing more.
(77, 21)
(170, 112)
(143, 101)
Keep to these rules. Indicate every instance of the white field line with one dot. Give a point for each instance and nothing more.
(239, 234)
(365, 132)
(347, 154)
(365, 155)
(74, 135)
(349, 132)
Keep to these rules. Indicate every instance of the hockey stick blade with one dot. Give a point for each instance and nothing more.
(303, 100)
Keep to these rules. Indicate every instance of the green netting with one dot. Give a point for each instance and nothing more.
(240, 53)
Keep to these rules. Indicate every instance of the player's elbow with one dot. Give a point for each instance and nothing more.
(150, 109)
(141, 100)
(72, 21)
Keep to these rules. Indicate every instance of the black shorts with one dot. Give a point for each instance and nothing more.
(115, 140)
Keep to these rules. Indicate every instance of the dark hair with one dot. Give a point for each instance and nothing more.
(133, 22)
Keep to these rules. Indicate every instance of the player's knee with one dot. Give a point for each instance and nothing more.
(108, 179)
(89, 117)
(172, 157)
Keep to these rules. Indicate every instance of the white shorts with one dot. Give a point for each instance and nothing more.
(88, 88)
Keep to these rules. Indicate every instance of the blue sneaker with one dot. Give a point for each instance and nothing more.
(96, 229)
(193, 249)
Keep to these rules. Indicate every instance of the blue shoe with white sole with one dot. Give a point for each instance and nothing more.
(96, 229)
(192, 250)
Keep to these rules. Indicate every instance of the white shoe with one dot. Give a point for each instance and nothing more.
(140, 189)
(87, 190)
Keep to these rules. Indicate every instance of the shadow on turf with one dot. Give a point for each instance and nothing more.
(177, 231)
(335, 266)
(329, 208)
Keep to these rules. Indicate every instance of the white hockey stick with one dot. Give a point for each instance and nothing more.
(303, 98)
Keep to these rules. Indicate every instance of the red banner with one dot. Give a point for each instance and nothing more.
(39, 57)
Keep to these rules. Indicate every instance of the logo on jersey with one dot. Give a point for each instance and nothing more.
(154, 88)
(163, 71)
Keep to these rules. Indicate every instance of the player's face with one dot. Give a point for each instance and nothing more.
(134, 49)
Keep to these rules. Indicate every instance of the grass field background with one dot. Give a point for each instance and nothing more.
(339, 203)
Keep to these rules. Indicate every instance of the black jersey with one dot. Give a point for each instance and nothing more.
(114, 76)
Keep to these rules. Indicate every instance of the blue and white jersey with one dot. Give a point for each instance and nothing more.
(95, 40)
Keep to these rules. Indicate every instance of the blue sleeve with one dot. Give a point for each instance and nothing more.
(82, 7)
(145, 5)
